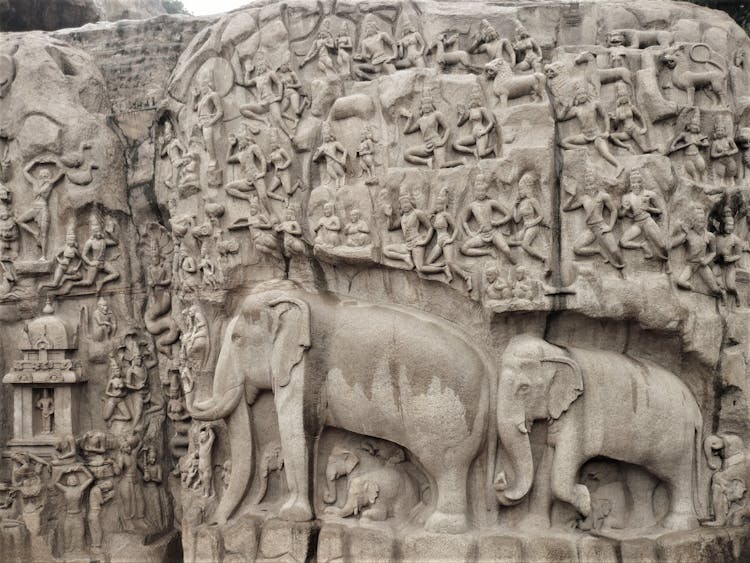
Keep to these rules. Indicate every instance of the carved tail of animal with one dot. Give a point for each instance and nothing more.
(491, 443)
(698, 477)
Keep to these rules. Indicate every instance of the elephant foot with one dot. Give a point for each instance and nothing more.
(443, 523)
(296, 511)
(680, 521)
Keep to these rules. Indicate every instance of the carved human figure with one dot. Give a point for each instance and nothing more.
(327, 228)
(291, 232)
(479, 141)
(322, 48)
(356, 231)
(488, 41)
(489, 215)
(700, 249)
(446, 56)
(416, 230)
(46, 406)
(9, 236)
(344, 46)
(280, 163)
(261, 230)
(446, 231)
(743, 144)
(587, 112)
(195, 337)
(597, 238)
(188, 181)
(101, 493)
(410, 48)
(435, 133)
(94, 255)
(642, 205)
(294, 100)
(527, 213)
(528, 52)
(206, 437)
(725, 454)
(523, 287)
(42, 185)
(67, 263)
(729, 249)
(495, 286)
(366, 154)
(72, 490)
(208, 106)
(723, 156)
(66, 451)
(115, 407)
(691, 140)
(628, 124)
(268, 90)
(5, 161)
(157, 501)
(375, 53)
(333, 154)
(130, 487)
(104, 322)
(246, 152)
(174, 150)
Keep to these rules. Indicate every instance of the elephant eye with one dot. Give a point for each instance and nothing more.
(522, 389)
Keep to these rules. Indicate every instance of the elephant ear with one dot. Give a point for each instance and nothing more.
(371, 490)
(291, 337)
(566, 385)
(350, 461)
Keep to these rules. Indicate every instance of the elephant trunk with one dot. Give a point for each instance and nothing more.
(329, 495)
(515, 440)
(218, 407)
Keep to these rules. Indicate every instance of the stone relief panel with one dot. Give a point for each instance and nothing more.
(401, 281)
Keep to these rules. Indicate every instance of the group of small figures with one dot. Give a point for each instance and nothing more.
(92, 469)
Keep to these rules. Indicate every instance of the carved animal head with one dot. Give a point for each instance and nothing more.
(537, 381)
(341, 462)
(721, 446)
(266, 340)
(616, 38)
(674, 56)
(554, 69)
(498, 68)
(362, 493)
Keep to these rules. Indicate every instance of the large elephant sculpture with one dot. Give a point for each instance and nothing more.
(375, 370)
(597, 404)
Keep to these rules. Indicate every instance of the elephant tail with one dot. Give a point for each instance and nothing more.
(492, 443)
(698, 478)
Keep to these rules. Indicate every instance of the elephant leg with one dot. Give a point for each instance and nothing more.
(641, 487)
(681, 515)
(565, 466)
(296, 447)
(450, 510)
(540, 498)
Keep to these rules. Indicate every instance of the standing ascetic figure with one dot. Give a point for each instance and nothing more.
(276, 342)
(597, 403)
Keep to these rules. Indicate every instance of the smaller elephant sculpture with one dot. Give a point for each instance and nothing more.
(598, 404)
(377, 492)
(725, 454)
(272, 461)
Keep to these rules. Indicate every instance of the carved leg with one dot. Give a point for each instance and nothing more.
(565, 465)
(681, 514)
(296, 448)
(450, 511)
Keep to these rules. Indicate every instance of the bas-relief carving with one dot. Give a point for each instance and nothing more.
(428, 191)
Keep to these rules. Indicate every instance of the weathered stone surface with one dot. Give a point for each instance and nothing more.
(390, 281)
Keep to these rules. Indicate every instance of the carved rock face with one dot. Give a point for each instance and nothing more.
(465, 275)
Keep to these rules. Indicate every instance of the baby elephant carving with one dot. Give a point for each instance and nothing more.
(375, 491)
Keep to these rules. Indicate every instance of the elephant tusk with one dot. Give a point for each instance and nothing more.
(522, 428)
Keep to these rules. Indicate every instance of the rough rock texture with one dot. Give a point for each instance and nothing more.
(25, 15)
(392, 281)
